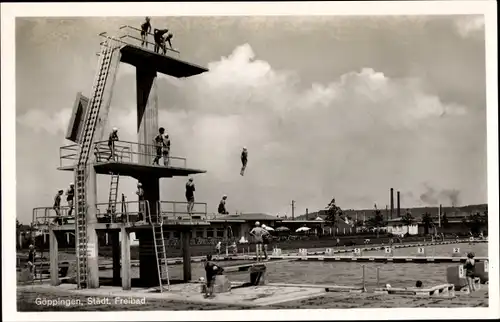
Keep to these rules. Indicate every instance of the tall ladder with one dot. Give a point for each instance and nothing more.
(160, 251)
(113, 194)
(91, 118)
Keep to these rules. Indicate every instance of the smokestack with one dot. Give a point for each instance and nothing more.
(307, 213)
(440, 213)
(392, 202)
(399, 207)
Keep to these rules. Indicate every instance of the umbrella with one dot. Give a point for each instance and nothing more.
(302, 229)
(282, 228)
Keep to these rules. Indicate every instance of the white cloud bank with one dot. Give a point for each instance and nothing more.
(353, 138)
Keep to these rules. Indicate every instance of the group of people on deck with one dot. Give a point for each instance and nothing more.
(70, 195)
(158, 35)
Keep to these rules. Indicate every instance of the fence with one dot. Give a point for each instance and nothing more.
(128, 211)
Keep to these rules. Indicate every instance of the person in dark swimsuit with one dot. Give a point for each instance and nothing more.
(169, 40)
(159, 146)
(113, 137)
(244, 160)
(70, 195)
(158, 36)
(212, 271)
(469, 265)
(190, 189)
(57, 207)
(31, 257)
(145, 29)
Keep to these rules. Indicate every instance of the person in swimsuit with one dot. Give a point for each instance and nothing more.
(31, 257)
(244, 160)
(212, 271)
(222, 206)
(469, 265)
(169, 40)
(57, 207)
(258, 233)
(70, 195)
(166, 150)
(140, 194)
(113, 137)
(158, 140)
(190, 189)
(145, 29)
(158, 36)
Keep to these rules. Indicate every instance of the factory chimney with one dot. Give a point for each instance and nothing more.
(399, 206)
(392, 203)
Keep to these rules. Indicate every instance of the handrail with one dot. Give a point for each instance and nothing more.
(139, 39)
(126, 152)
(175, 211)
(119, 216)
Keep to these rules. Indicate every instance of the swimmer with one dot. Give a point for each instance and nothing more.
(469, 266)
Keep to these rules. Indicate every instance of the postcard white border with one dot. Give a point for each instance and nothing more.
(10, 11)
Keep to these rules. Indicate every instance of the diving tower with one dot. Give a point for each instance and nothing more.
(89, 156)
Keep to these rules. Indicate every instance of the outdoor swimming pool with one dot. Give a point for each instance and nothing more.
(345, 273)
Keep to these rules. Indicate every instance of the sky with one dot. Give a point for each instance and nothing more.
(343, 107)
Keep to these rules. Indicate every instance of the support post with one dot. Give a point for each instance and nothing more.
(116, 251)
(186, 255)
(148, 266)
(125, 241)
(92, 240)
(147, 113)
(54, 258)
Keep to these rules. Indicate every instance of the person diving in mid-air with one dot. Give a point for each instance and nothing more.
(244, 160)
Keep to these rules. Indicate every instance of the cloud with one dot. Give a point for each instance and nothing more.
(433, 197)
(470, 25)
(309, 142)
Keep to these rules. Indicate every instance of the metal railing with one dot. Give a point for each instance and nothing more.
(47, 215)
(178, 210)
(125, 152)
(126, 212)
(132, 36)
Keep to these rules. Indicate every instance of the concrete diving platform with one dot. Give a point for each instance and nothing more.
(128, 159)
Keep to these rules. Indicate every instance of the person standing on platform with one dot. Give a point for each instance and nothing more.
(222, 206)
(158, 36)
(70, 195)
(158, 140)
(169, 40)
(166, 150)
(244, 160)
(57, 207)
(190, 189)
(258, 233)
(145, 30)
(469, 266)
(113, 137)
(140, 194)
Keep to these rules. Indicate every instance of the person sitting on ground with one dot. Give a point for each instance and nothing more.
(57, 207)
(258, 233)
(145, 29)
(212, 271)
(222, 206)
(469, 266)
(113, 137)
(419, 284)
(158, 37)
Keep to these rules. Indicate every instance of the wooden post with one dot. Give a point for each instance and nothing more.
(54, 258)
(125, 271)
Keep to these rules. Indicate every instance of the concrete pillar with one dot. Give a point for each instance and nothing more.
(54, 258)
(125, 271)
(151, 188)
(116, 252)
(92, 240)
(225, 232)
(186, 255)
(147, 113)
(148, 267)
(205, 233)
